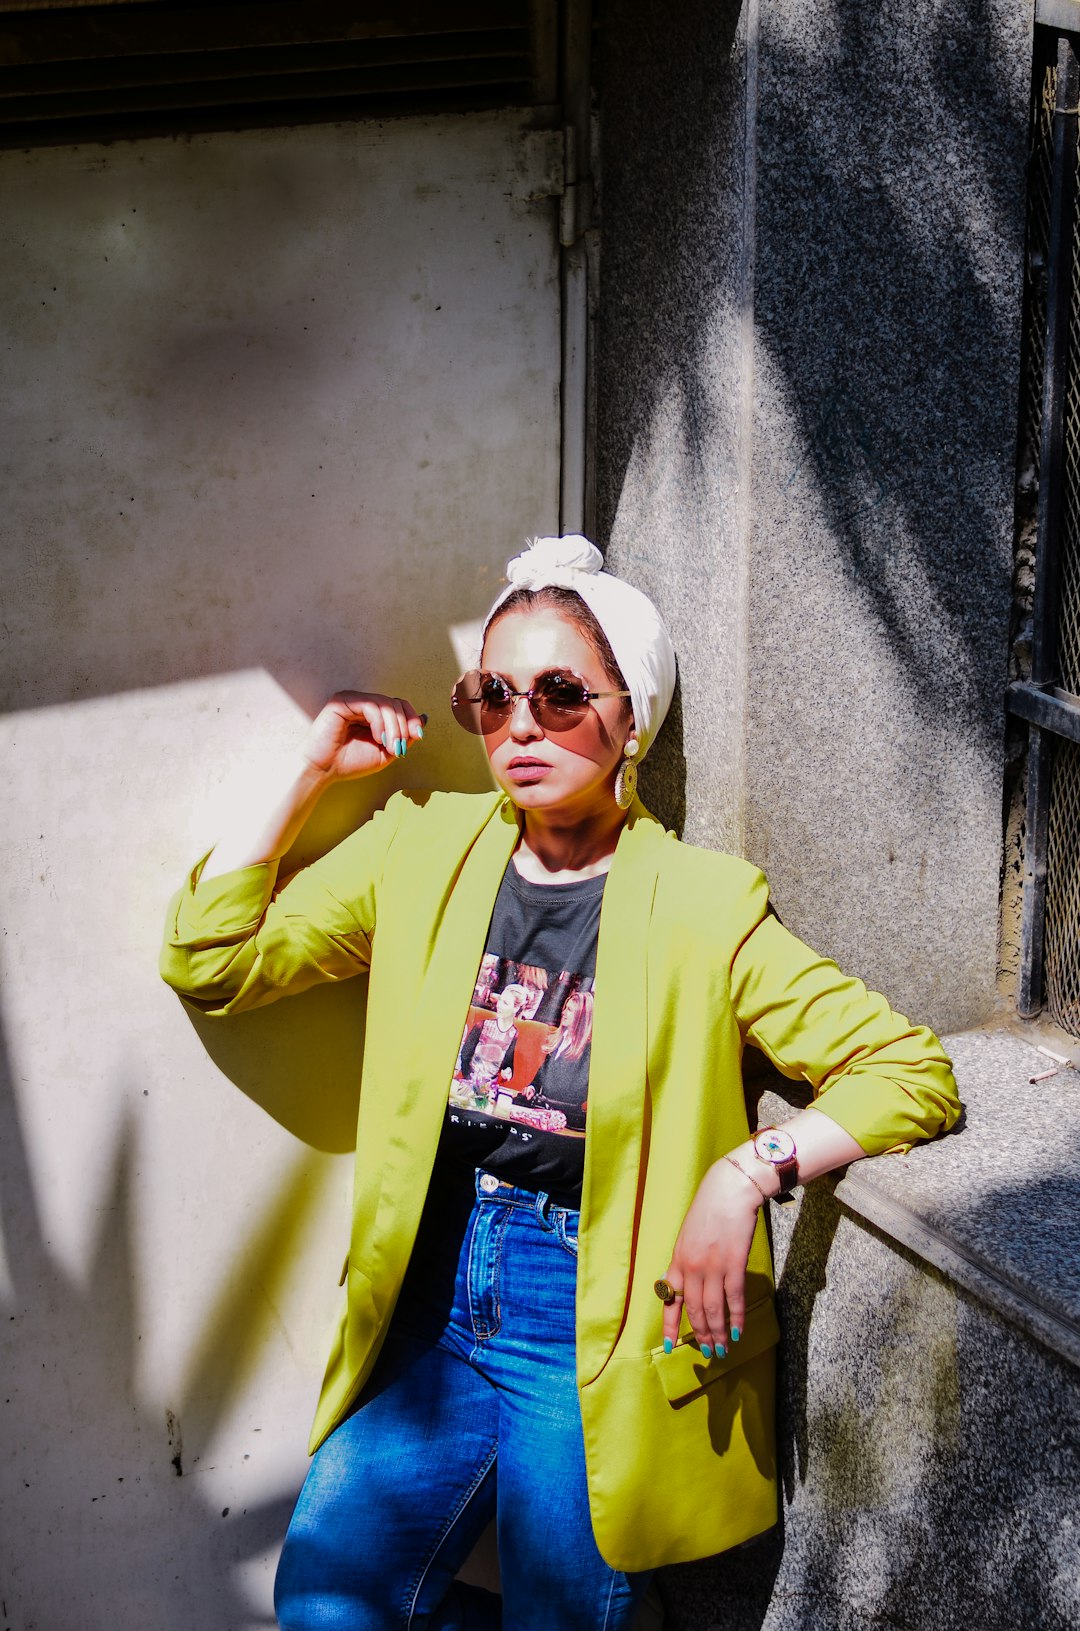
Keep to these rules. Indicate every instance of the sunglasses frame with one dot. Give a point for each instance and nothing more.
(468, 708)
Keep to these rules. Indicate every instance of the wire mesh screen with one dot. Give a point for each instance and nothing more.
(1062, 929)
(1061, 944)
(1038, 241)
(1063, 889)
(1068, 640)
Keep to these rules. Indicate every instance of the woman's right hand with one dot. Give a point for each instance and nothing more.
(359, 732)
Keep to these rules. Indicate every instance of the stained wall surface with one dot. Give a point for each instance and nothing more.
(275, 405)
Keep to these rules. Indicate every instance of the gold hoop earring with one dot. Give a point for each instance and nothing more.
(626, 780)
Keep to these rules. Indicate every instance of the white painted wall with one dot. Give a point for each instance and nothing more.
(276, 407)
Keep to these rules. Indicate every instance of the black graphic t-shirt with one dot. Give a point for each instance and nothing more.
(520, 1088)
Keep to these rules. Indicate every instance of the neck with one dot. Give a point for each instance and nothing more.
(550, 847)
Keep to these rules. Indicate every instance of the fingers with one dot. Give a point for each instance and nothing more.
(706, 1309)
(736, 1306)
(414, 724)
(393, 723)
(715, 1309)
(672, 1311)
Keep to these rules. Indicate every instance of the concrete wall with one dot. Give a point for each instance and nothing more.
(808, 369)
(276, 404)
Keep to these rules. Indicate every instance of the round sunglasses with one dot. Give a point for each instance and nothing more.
(558, 700)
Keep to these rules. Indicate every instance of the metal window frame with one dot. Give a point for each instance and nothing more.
(1049, 710)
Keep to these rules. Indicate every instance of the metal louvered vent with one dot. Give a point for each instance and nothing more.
(88, 70)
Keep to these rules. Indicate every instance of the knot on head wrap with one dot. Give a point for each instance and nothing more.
(550, 561)
(634, 628)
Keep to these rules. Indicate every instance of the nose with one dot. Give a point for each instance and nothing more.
(523, 724)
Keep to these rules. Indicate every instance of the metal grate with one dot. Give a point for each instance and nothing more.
(1038, 241)
(1063, 893)
(1044, 687)
(1068, 632)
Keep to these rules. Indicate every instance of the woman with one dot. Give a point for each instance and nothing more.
(503, 1350)
(490, 1040)
(561, 1083)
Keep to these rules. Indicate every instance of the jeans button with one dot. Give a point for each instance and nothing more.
(488, 1183)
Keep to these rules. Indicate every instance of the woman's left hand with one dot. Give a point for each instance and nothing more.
(708, 1266)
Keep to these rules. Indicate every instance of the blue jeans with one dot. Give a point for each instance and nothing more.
(471, 1413)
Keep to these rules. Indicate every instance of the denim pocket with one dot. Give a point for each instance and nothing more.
(566, 1229)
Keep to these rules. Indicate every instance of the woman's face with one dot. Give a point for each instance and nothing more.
(506, 1009)
(565, 772)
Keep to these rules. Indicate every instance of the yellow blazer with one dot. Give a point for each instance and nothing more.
(690, 965)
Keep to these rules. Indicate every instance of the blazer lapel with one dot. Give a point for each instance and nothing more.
(617, 1085)
(446, 993)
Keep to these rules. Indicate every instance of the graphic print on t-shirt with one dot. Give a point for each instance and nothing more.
(519, 1086)
(524, 1055)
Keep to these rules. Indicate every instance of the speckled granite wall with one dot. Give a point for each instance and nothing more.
(808, 357)
(671, 428)
(808, 345)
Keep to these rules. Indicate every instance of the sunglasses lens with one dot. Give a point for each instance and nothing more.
(562, 700)
(481, 702)
(494, 693)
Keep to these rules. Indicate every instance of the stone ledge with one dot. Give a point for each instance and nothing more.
(995, 1205)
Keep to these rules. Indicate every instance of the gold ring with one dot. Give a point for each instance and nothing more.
(666, 1292)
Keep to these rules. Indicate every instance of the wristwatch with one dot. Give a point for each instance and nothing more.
(777, 1150)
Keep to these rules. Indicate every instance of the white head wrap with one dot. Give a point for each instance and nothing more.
(632, 624)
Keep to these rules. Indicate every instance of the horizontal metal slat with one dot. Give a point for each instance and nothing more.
(147, 30)
(52, 79)
(344, 83)
(1046, 706)
(1063, 14)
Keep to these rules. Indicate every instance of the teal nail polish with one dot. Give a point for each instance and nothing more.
(382, 739)
(735, 1333)
(668, 1345)
(399, 747)
(706, 1350)
(420, 734)
(721, 1353)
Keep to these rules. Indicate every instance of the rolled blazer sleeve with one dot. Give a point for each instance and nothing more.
(237, 941)
(887, 1082)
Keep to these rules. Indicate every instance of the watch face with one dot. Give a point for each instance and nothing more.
(775, 1145)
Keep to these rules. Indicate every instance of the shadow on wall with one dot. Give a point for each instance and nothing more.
(97, 1477)
(663, 775)
(889, 169)
(299, 1061)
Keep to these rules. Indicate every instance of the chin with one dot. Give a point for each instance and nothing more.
(530, 798)
(578, 802)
